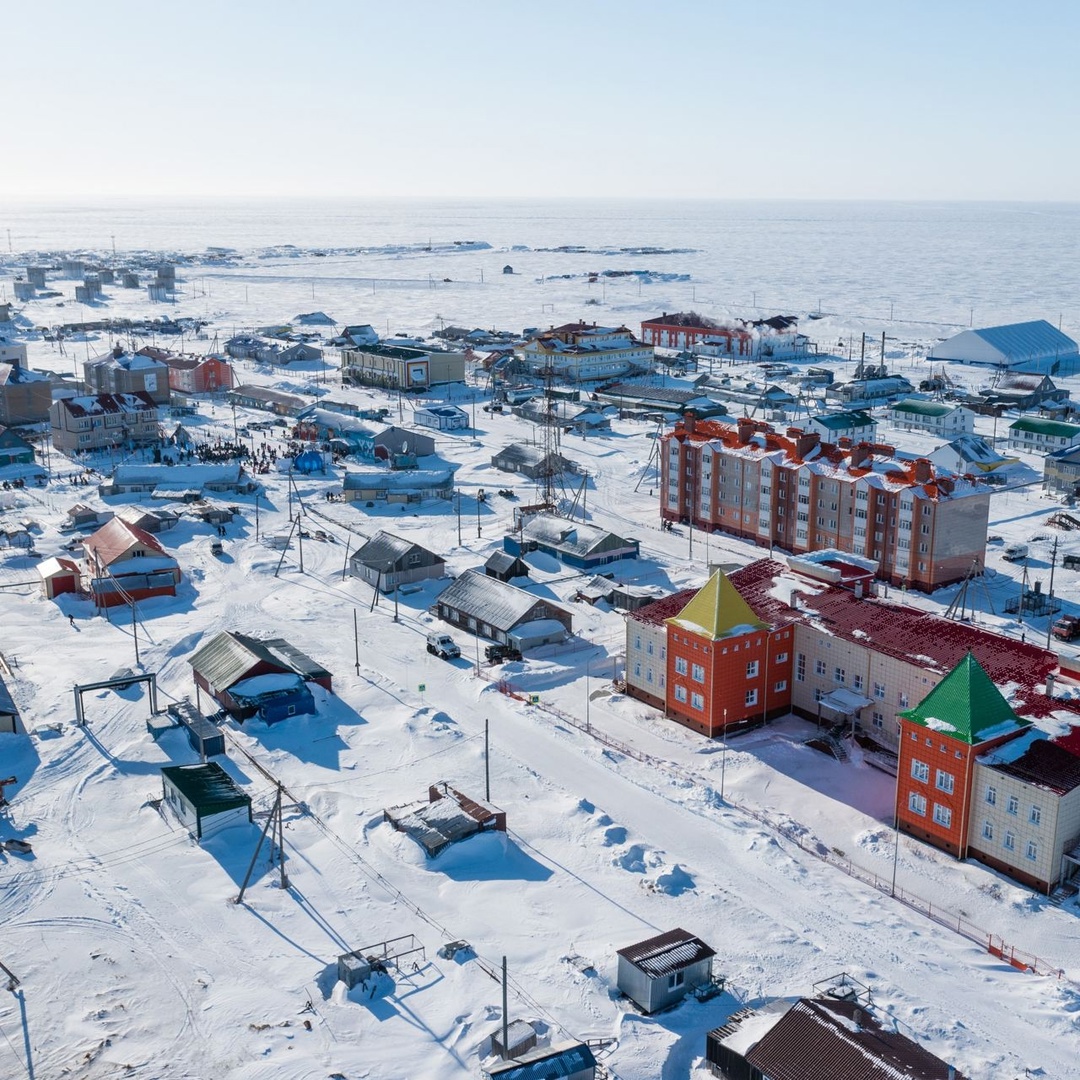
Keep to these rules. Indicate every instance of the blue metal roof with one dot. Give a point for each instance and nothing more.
(1029, 339)
(545, 1064)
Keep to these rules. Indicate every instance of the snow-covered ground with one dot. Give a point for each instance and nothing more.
(134, 962)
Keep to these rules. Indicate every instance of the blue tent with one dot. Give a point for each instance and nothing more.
(309, 461)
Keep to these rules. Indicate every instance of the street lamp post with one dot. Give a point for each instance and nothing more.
(588, 724)
(723, 758)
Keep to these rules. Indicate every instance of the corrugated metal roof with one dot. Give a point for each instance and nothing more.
(918, 407)
(115, 538)
(550, 1063)
(1039, 426)
(1019, 340)
(571, 537)
(841, 1041)
(501, 562)
(206, 787)
(668, 952)
(492, 601)
(384, 550)
(228, 656)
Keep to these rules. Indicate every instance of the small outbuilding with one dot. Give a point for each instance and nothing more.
(206, 738)
(573, 543)
(560, 1061)
(660, 971)
(58, 576)
(504, 566)
(441, 417)
(205, 798)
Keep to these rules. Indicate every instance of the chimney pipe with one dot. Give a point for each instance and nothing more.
(1049, 684)
(924, 472)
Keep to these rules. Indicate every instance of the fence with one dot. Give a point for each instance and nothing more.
(992, 943)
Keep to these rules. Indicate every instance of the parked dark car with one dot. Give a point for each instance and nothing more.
(498, 654)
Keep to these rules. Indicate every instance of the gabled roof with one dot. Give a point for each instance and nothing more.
(139, 401)
(228, 656)
(572, 537)
(841, 1041)
(671, 951)
(490, 600)
(1039, 426)
(502, 561)
(520, 454)
(384, 550)
(115, 538)
(967, 706)
(718, 611)
(206, 787)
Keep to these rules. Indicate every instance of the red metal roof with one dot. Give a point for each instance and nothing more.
(841, 1041)
(906, 633)
(138, 401)
(1048, 764)
(115, 538)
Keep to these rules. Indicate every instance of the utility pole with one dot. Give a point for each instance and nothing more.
(356, 640)
(1050, 614)
(458, 493)
(487, 761)
(505, 1019)
(274, 813)
(478, 515)
(135, 633)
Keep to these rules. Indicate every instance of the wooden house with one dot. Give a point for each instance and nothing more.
(571, 542)
(818, 1037)
(250, 676)
(124, 563)
(530, 461)
(503, 613)
(387, 561)
(504, 566)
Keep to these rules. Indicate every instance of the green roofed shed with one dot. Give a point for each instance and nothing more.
(967, 706)
(204, 797)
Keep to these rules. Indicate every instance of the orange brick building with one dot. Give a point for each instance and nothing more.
(964, 716)
(725, 667)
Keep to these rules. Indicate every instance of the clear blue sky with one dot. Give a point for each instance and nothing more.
(922, 99)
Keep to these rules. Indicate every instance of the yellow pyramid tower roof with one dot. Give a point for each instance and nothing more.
(718, 611)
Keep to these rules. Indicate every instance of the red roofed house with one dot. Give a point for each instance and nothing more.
(817, 1038)
(922, 529)
(124, 563)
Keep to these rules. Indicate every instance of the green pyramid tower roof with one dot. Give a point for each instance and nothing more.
(718, 611)
(967, 706)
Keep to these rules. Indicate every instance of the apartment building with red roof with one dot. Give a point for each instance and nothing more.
(920, 527)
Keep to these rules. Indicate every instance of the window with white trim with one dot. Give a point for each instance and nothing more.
(942, 815)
